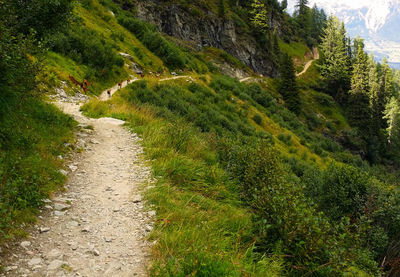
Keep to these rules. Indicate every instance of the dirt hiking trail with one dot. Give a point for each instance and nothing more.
(98, 226)
(309, 63)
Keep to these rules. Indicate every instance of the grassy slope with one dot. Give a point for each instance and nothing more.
(193, 195)
(34, 135)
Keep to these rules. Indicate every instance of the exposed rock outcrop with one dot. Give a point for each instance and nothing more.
(207, 30)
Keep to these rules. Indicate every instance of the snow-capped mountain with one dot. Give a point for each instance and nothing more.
(377, 21)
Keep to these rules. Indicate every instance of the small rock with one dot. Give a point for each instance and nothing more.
(148, 228)
(60, 157)
(34, 261)
(73, 168)
(63, 172)
(54, 254)
(47, 201)
(74, 247)
(44, 229)
(137, 199)
(10, 268)
(96, 252)
(115, 210)
(58, 213)
(151, 213)
(108, 239)
(74, 223)
(61, 207)
(25, 244)
(48, 207)
(94, 141)
(55, 265)
(86, 229)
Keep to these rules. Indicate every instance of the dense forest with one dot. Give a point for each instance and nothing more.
(281, 175)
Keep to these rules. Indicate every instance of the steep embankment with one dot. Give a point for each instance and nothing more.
(97, 227)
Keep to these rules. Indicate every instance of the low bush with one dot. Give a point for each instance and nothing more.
(86, 47)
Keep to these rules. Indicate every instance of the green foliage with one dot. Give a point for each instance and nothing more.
(257, 119)
(287, 84)
(171, 55)
(335, 57)
(31, 138)
(86, 47)
(42, 17)
(340, 191)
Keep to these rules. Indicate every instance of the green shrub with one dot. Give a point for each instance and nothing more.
(86, 47)
(257, 119)
(170, 54)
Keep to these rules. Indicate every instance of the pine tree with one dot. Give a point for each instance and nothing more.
(358, 105)
(392, 116)
(287, 84)
(275, 46)
(360, 78)
(284, 5)
(303, 19)
(259, 15)
(318, 22)
(335, 67)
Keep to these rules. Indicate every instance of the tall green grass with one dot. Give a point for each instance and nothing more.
(32, 135)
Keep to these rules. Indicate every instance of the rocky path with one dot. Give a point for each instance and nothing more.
(104, 95)
(309, 63)
(97, 227)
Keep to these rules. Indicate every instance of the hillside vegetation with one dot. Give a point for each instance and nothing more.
(271, 176)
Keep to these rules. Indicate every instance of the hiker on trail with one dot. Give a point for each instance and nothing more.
(109, 93)
(142, 75)
(120, 85)
(128, 81)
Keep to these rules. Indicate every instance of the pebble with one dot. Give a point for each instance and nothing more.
(63, 172)
(94, 141)
(44, 229)
(107, 239)
(10, 268)
(55, 265)
(73, 168)
(151, 213)
(34, 261)
(61, 207)
(53, 254)
(58, 213)
(74, 223)
(86, 229)
(137, 199)
(25, 244)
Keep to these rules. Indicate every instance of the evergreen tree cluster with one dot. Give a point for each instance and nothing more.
(366, 88)
(310, 22)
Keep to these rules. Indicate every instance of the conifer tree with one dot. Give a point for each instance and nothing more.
(335, 67)
(287, 84)
(303, 19)
(358, 105)
(392, 116)
(259, 15)
(284, 5)
(360, 78)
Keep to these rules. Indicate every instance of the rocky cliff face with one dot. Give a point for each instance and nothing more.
(204, 31)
